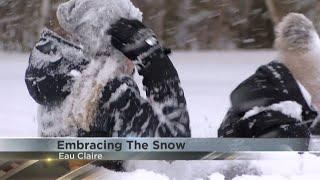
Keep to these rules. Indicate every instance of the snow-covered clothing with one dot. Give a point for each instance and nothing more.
(270, 103)
(84, 91)
(89, 20)
(121, 110)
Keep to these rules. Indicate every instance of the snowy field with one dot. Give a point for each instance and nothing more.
(207, 78)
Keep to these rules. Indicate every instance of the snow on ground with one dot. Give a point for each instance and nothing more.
(17, 109)
(139, 174)
(207, 78)
(284, 164)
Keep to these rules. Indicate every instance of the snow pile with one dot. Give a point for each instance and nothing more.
(282, 165)
(290, 108)
(190, 170)
(89, 20)
(216, 176)
(249, 177)
(178, 169)
(135, 175)
(278, 177)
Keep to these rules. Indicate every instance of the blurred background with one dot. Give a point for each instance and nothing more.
(181, 24)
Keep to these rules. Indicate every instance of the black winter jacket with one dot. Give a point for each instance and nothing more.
(49, 83)
(256, 106)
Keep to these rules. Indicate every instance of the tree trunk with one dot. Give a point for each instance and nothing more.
(44, 12)
(273, 11)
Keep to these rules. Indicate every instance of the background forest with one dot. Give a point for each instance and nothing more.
(181, 24)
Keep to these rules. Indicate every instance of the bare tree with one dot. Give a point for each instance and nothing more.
(279, 9)
(44, 13)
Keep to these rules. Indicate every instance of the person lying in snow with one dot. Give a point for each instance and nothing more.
(120, 110)
(272, 102)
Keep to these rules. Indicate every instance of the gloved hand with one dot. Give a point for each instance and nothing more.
(133, 39)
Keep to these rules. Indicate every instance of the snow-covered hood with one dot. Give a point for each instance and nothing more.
(88, 20)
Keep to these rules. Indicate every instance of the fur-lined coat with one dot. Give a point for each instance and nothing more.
(79, 96)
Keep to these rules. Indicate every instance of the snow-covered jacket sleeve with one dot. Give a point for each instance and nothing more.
(52, 64)
(270, 103)
(163, 88)
(124, 113)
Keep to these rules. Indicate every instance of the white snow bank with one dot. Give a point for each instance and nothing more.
(249, 177)
(139, 174)
(17, 108)
(283, 166)
(189, 170)
(277, 177)
(290, 108)
(288, 164)
(216, 176)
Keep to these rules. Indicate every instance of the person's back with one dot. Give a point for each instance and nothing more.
(272, 102)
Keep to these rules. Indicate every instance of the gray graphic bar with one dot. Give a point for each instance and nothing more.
(151, 144)
(146, 148)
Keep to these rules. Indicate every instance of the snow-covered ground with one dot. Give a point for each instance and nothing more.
(17, 109)
(207, 78)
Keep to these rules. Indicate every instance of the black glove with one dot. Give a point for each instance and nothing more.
(133, 39)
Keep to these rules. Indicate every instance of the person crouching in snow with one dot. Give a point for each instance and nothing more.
(274, 102)
(90, 91)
